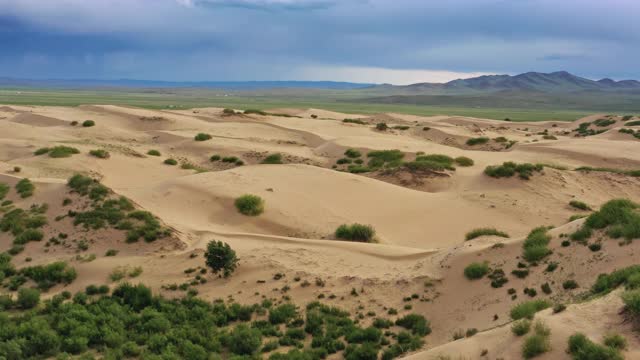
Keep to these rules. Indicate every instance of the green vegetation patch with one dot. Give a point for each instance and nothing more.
(476, 270)
(202, 137)
(464, 161)
(528, 309)
(620, 218)
(102, 154)
(582, 348)
(509, 169)
(355, 232)
(273, 159)
(119, 213)
(485, 232)
(4, 190)
(62, 151)
(190, 328)
(153, 153)
(579, 205)
(477, 141)
(250, 205)
(88, 123)
(535, 246)
(635, 173)
(354, 121)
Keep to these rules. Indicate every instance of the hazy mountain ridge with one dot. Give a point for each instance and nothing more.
(560, 81)
(227, 85)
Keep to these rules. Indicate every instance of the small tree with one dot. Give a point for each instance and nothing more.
(221, 257)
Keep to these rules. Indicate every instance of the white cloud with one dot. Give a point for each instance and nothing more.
(379, 75)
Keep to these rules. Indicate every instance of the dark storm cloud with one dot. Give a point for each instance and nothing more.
(284, 39)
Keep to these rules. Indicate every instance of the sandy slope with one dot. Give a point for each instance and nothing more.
(420, 226)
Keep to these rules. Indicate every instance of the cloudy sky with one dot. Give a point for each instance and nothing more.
(394, 41)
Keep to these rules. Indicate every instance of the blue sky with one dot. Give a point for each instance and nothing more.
(395, 41)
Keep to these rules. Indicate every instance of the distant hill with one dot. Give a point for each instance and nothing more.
(223, 85)
(555, 82)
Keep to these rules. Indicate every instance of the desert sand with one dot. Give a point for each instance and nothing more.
(420, 220)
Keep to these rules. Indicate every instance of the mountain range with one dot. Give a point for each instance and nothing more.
(555, 82)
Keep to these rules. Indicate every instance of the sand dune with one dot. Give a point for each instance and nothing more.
(420, 218)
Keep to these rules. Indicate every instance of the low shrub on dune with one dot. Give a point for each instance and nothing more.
(463, 161)
(477, 141)
(202, 137)
(355, 232)
(509, 169)
(485, 232)
(102, 154)
(476, 270)
(273, 159)
(62, 151)
(250, 205)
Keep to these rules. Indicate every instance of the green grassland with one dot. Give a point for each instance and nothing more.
(336, 100)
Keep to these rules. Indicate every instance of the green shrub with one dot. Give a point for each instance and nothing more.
(250, 205)
(28, 235)
(416, 323)
(63, 151)
(582, 234)
(615, 341)
(220, 257)
(476, 270)
(202, 137)
(352, 153)
(214, 158)
(171, 162)
(464, 161)
(521, 327)
(633, 123)
(477, 141)
(604, 122)
(244, 340)
(354, 121)
(153, 152)
(535, 345)
(508, 169)
(4, 190)
(620, 216)
(228, 111)
(569, 284)
(528, 309)
(41, 151)
(273, 159)
(385, 158)
(581, 348)
(535, 245)
(282, 314)
(485, 232)
(88, 123)
(432, 162)
(579, 205)
(382, 126)
(557, 308)
(608, 282)
(631, 299)
(102, 154)
(355, 232)
(25, 188)
(28, 298)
